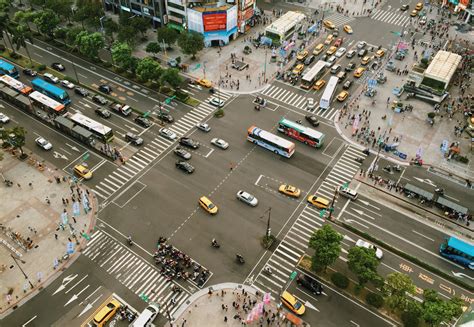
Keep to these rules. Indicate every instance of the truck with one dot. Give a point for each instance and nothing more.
(121, 108)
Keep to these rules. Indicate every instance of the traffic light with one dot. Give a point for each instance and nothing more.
(322, 212)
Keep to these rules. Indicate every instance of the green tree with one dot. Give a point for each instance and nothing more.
(22, 34)
(122, 55)
(61, 7)
(46, 21)
(16, 137)
(167, 35)
(191, 43)
(5, 5)
(436, 311)
(61, 34)
(172, 77)
(326, 243)
(153, 48)
(88, 12)
(24, 17)
(397, 288)
(110, 28)
(38, 3)
(5, 26)
(89, 44)
(140, 24)
(148, 69)
(127, 34)
(363, 263)
(71, 34)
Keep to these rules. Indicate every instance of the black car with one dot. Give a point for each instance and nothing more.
(81, 91)
(309, 60)
(133, 138)
(99, 100)
(143, 122)
(180, 152)
(347, 85)
(57, 66)
(350, 67)
(183, 165)
(104, 113)
(166, 117)
(404, 7)
(104, 88)
(30, 72)
(189, 142)
(313, 120)
(310, 284)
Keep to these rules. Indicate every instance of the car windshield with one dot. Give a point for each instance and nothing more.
(211, 206)
(249, 197)
(297, 305)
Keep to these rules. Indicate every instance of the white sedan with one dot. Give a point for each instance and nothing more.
(340, 52)
(220, 143)
(247, 198)
(4, 118)
(170, 135)
(204, 127)
(67, 84)
(216, 102)
(367, 245)
(43, 143)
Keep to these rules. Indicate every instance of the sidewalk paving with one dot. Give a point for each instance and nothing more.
(217, 306)
(30, 227)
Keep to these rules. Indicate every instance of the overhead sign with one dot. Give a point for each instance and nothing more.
(214, 21)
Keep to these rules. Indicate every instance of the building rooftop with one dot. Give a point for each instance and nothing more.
(286, 21)
(212, 9)
(443, 66)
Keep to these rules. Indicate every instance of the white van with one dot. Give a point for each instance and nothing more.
(348, 193)
(146, 318)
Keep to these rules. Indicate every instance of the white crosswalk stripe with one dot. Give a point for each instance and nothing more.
(294, 244)
(391, 17)
(297, 101)
(148, 153)
(132, 271)
(339, 19)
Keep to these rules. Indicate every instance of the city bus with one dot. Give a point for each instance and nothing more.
(15, 84)
(49, 105)
(313, 75)
(8, 69)
(301, 133)
(52, 91)
(458, 251)
(102, 132)
(270, 141)
(329, 91)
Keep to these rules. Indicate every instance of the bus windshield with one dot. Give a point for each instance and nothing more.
(270, 141)
(301, 133)
(325, 101)
(313, 75)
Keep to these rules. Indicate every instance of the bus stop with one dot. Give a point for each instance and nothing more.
(409, 188)
(450, 205)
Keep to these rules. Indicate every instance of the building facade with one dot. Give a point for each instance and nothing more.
(153, 9)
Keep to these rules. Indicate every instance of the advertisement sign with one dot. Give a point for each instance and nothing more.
(246, 3)
(214, 21)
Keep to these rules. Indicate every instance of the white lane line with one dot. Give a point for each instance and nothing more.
(414, 231)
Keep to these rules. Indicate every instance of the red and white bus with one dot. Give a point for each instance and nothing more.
(301, 133)
(15, 84)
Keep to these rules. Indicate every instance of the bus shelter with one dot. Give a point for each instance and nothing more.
(445, 203)
(409, 188)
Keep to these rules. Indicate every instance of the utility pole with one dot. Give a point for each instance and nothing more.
(265, 67)
(24, 274)
(331, 208)
(269, 229)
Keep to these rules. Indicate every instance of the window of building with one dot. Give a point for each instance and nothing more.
(136, 7)
(175, 14)
(174, 5)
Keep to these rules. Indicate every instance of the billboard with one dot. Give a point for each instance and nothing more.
(214, 21)
(246, 3)
(232, 18)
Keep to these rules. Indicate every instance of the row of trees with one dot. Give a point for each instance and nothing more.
(397, 289)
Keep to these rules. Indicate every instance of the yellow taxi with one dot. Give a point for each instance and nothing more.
(289, 190)
(329, 24)
(342, 96)
(366, 60)
(292, 303)
(207, 205)
(319, 84)
(419, 6)
(298, 69)
(329, 39)
(414, 13)
(359, 71)
(380, 53)
(348, 29)
(106, 313)
(204, 82)
(302, 55)
(319, 48)
(82, 171)
(318, 202)
(331, 51)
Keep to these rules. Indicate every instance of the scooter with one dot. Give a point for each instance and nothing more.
(439, 191)
(359, 160)
(129, 240)
(388, 169)
(268, 270)
(257, 107)
(416, 162)
(366, 151)
(240, 259)
(214, 244)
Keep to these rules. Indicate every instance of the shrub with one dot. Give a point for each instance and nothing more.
(106, 64)
(374, 299)
(431, 115)
(358, 288)
(119, 70)
(340, 280)
(410, 319)
(41, 68)
(219, 113)
(165, 89)
(463, 159)
(2, 48)
(15, 55)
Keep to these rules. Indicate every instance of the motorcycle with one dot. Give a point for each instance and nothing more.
(240, 259)
(257, 107)
(214, 244)
(299, 122)
(212, 90)
(439, 191)
(359, 160)
(416, 162)
(176, 289)
(129, 241)
(366, 151)
(268, 270)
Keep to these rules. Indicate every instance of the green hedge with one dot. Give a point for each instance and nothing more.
(340, 280)
(374, 299)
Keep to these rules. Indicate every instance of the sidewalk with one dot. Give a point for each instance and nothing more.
(34, 229)
(230, 304)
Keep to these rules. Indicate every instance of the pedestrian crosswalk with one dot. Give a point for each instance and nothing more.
(133, 271)
(339, 19)
(294, 244)
(295, 100)
(153, 149)
(391, 17)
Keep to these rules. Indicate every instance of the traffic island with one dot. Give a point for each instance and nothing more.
(231, 304)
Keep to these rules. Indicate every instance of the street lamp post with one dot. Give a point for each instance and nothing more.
(24, 274)
(331, 207)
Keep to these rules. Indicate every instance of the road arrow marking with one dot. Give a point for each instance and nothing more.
(58, 155)
(309, 305)
(73, 148)
(76, 284)
(348, 238)
(131, 128)
(66, 280)
(462, 275)
(348, 220)
(75, 296)
(364, 202)
(360, 212)
(89, 305)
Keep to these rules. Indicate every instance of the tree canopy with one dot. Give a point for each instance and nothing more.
(191, 43)
(167, 35)
(363, 263)
(89, 44)
(397, 288)
(148, 69)
(326, 243)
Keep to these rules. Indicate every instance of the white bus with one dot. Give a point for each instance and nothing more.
(270, 141)
(313, 75)
(101, 131)
(15, 84)
(329, 91)
(51, 106)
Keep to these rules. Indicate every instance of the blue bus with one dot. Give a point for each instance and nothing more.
(51, 91)
(458, 251)
(8, 69)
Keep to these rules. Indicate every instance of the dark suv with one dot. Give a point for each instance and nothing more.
(189, 142)
(166, 117)
(99, 100)
(133, 138)
(81, 91)
(104, 88)
(310, 284)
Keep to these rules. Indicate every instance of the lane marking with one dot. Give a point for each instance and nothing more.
(414, 231)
